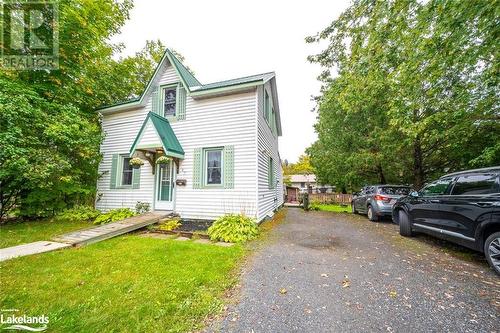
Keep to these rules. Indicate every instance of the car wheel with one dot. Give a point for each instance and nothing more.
(371, 215)
(353, 209)
(404, 224)
(492, 251)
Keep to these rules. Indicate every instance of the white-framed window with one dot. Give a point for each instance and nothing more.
(126, 171)
(269, 114)
(267, 105)
(271, 179)
(213, 170)
(169, 100)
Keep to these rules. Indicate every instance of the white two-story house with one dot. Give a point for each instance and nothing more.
(221, 140)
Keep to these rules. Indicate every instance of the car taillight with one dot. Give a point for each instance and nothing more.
(379, 197)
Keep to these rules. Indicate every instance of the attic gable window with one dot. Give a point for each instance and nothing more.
(169, 101)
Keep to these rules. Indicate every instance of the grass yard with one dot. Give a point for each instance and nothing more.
(333, 208)
(25, 232)
(126, 284)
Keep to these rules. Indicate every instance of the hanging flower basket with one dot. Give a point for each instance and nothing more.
(136, 162)
(163, 160)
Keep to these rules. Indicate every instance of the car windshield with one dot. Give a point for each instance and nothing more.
(396, 190)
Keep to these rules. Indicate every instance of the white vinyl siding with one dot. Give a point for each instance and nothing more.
(211, 122)
(269, 198)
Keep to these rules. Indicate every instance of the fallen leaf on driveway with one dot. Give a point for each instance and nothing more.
(345, 282)
(393, 294)
(324, 275)
(283, 291)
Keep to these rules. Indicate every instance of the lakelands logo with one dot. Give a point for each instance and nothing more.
(29, 35)
(24, 322)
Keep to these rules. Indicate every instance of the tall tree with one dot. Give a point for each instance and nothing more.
(414, 83)
(302, 167)
(49, 128)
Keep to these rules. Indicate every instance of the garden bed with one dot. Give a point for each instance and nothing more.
(188, 234)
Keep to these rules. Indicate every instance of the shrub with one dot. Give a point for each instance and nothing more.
(233, 228)
(114, 215)
(142, 207)
(170, 225)
(314, 205)
(77, 213)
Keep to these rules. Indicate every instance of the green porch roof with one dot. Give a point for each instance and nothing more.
(169, 141)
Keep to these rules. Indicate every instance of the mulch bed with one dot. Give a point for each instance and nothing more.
(195, 225)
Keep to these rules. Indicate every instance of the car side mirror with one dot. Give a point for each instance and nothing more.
(414, 194)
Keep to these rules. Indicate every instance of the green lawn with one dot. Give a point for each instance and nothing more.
(126, 284)
(24, 232)
(334, 208)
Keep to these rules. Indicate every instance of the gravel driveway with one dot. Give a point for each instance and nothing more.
(330, 272)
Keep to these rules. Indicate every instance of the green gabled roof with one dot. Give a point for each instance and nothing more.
(135, 99)
(233, 82)
(192, 85)
(185, 74)
(167, 136)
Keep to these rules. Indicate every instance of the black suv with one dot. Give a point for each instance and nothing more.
(462, 207)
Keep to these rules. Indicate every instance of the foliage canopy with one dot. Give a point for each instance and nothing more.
(410, 91)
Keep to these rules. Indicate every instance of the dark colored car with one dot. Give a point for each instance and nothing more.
(377, 200)
(462, 207)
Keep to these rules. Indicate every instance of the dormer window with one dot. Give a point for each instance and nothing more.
(169, 101)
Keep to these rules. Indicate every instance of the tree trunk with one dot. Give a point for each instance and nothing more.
(381, 176)
(418, 165)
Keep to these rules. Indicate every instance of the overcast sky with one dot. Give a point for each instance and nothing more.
(228, 39)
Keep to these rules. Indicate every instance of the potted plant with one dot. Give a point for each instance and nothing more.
(163, 160)
(136, 162)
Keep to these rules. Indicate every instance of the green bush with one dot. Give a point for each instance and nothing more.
(77, 213)
(233, 228)
(114, 215)
(170, 225)
(314, 205)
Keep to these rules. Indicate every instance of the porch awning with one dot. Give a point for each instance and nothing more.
(156, 132)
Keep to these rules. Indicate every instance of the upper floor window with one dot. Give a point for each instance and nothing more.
(267, 105)
(269, 114)
(169, 95)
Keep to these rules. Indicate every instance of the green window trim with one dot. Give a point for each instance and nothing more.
(158, 98)
(117, 173)
(205, 167)
(269, 114)
(271, 177)
(200, 168)
(266, 105)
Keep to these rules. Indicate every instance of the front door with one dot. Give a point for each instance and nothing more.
(165, 186)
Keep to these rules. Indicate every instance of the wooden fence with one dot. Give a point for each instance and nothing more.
(337, 198)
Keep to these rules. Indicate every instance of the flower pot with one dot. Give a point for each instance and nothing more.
(163, 160)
